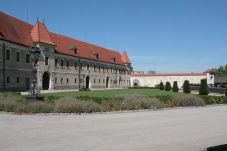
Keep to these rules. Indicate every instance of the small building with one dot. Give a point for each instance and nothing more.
(220, 81)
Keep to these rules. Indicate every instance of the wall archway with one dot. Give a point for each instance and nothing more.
(46, 81)
(136, 83)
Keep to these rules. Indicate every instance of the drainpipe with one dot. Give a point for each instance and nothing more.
(3, 67)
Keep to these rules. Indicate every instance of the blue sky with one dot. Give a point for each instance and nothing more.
(168, 36)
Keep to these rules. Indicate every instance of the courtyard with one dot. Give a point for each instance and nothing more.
(175, 129)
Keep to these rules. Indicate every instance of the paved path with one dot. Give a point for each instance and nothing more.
(180, 129)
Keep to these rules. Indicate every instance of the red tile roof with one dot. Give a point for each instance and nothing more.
(209, 71)
(169, 74)
(39, 33)
(17, 31)
(84, 50)
(124, 58)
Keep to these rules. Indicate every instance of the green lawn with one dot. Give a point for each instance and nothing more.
(111, 93)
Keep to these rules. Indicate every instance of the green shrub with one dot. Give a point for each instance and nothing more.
(186, 87)
(73, 105)
(203, 89)
(90, 106)
(213, 99)
(134, 102)
(68, 105)
(161, 86)
(175, 87)
(39, 107)
(187, 100)
(168, 86)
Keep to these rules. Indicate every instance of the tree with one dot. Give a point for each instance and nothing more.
(221, 71)
(186, 87)
(203, 88)
(151, 72)
(161, 86)
(168, 86)
(175, 87)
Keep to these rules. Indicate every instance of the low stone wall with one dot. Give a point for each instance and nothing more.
(211, 89)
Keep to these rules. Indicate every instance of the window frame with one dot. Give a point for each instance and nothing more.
(29, 58)
(10, 54)
(67, 63)
(46, 61)
(62, 62)
(18, 80)
(18, 52)
(56, 63)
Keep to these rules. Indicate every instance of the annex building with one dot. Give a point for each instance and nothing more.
(64, 62)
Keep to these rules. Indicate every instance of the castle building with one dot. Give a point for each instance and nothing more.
(64, 62)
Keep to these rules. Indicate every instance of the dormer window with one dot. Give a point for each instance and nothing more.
(114, 59)
(95, 54)
(73, 48)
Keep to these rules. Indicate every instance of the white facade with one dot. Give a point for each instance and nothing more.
(150, 80)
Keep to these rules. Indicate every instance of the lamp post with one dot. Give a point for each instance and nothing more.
(34, 53)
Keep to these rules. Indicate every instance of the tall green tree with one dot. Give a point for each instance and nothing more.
(161, 86)
(186, 87)
(203, 88)
(168, 86)
(175, 87)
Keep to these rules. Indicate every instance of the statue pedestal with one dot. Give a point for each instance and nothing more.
(32, 98)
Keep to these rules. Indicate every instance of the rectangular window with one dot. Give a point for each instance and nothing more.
(7, 79)
(61, 80)
(88, 66)
(46, 61)
(94, 67)
(75, 80)
(75, 64)
(81, 80)
(94, 80)
(18, 56)
(99, 68)
(8, 55)
(67, 80)
(67, 63)
(27, 58)
(47, 49)
(99, 80)
(18, 80)
(62, 62)
(56, 62)
(103, 68)
(81, 65)
(56, 80)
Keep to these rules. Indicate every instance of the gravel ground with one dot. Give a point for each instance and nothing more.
(179, 129)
